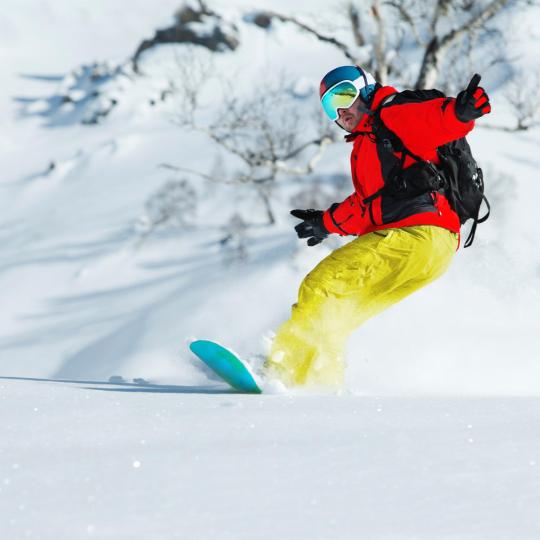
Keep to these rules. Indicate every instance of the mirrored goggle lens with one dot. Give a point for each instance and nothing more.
(340, 96)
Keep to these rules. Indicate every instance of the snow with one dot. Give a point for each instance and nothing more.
(96, 460)
(434, 434)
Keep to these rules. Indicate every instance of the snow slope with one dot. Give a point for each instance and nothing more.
(92, 460)
(434, 435)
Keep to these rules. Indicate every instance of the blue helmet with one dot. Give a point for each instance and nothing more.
(341, 86)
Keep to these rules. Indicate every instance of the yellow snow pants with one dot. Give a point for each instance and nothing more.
(348, 287)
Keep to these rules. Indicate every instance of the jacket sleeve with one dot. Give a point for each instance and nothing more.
(426, 125)
(349, 217)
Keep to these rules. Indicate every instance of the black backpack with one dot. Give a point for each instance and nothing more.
(457, 176)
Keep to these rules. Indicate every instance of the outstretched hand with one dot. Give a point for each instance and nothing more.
(473, 102)
(312, 226)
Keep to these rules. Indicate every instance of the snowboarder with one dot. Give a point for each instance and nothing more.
(404, 241)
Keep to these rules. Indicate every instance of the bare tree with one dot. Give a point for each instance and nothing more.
(173, 204)
(265, 133)
(235, 242)
(523, 96)
(382, 30)
(467, 18)
(306, 27)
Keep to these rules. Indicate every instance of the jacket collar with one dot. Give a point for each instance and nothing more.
(367, 119)
(380, 94)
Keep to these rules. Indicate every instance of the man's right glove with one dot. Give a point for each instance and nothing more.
(473, 102)
(312, 226)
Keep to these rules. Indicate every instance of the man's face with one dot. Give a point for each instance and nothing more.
(349, 118)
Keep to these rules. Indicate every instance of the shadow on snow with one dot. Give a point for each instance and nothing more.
(151, 388)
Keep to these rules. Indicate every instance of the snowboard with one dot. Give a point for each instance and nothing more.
(227, 365)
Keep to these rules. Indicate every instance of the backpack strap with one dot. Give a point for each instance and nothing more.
(392, 143)
(483, 218)
(476, 221)
(380, 129)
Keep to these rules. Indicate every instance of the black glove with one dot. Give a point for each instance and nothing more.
(312, 226)
(473, 102)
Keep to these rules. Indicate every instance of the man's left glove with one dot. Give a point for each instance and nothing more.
(312, 226)
(473, 102)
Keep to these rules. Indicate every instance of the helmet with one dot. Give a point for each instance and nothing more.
(341, 86)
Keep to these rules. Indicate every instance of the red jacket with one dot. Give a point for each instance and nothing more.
(422, 127)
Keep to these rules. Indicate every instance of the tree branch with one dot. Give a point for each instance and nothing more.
(381, 73)
(354, 17)
(407, 17)
(327, 39)
(439, 45)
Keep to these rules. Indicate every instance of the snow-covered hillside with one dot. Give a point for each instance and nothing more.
(111, 429)
(82, 296)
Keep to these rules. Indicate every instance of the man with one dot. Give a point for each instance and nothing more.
(404, 242)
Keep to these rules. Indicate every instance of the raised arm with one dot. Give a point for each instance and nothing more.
(426, 125)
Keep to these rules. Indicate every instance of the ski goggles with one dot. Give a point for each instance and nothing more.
(343, 94)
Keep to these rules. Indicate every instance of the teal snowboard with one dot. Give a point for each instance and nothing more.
(227, 365)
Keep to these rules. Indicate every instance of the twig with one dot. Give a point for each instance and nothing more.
(327, 39)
